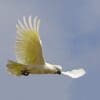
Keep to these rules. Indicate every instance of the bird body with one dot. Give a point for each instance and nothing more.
(29, 54)
(18, 69)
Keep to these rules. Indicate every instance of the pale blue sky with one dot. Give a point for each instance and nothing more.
(70, 31)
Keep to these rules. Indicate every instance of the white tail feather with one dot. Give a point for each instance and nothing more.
(76, 73)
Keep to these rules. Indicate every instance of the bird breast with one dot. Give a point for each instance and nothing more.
(41, 69)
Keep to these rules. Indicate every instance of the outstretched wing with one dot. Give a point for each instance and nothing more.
(28, 43)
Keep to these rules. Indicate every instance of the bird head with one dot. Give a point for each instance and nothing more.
(58, 69)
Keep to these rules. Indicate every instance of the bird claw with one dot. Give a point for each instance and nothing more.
(25, 72)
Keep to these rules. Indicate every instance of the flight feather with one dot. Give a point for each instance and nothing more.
(28, 43)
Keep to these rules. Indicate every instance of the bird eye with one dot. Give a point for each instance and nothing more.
(59, 72)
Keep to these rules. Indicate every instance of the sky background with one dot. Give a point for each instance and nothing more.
(70, 32)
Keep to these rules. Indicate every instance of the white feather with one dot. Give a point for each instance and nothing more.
(38, 25)
(25, 23)
(20, 24)
(76, 73)
(30, 22)
(35, 23)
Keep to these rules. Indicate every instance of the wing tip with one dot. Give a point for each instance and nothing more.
(28, 23)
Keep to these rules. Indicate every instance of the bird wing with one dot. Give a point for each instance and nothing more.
(28, 43)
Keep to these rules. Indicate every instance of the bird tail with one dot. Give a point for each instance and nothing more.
(76, 73)
(15, 68)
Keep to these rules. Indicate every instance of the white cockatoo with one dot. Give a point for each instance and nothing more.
(29, 54)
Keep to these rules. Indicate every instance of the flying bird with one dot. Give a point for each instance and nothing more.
(29, 53)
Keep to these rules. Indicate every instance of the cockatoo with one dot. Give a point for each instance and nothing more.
(29, 54)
